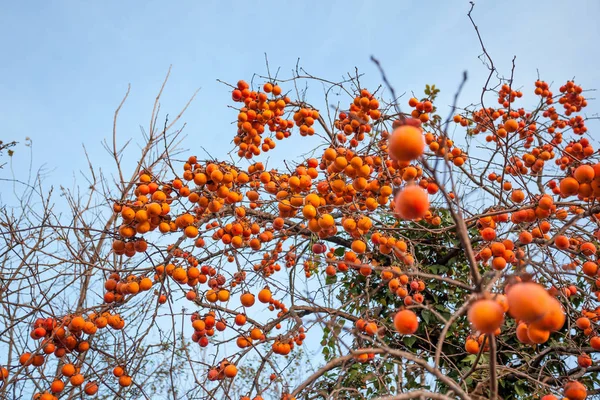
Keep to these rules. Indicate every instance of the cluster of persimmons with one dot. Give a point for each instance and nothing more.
(358, 192)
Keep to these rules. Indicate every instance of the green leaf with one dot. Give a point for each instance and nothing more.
(340, 251)
(409, 340)
(426, 315)
(519, 390)
(337, 329)
(469, 359)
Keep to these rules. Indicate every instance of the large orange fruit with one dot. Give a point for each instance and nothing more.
(486, 315)
(553, 319)
(406, 322)
(575, 391)
(411, 203)
(528, 301)
(406, 143)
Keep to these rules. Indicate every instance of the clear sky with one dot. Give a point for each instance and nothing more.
(66, 64)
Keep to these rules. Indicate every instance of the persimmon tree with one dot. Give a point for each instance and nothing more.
(408, 255)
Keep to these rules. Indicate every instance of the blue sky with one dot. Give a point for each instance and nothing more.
(66, 64)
